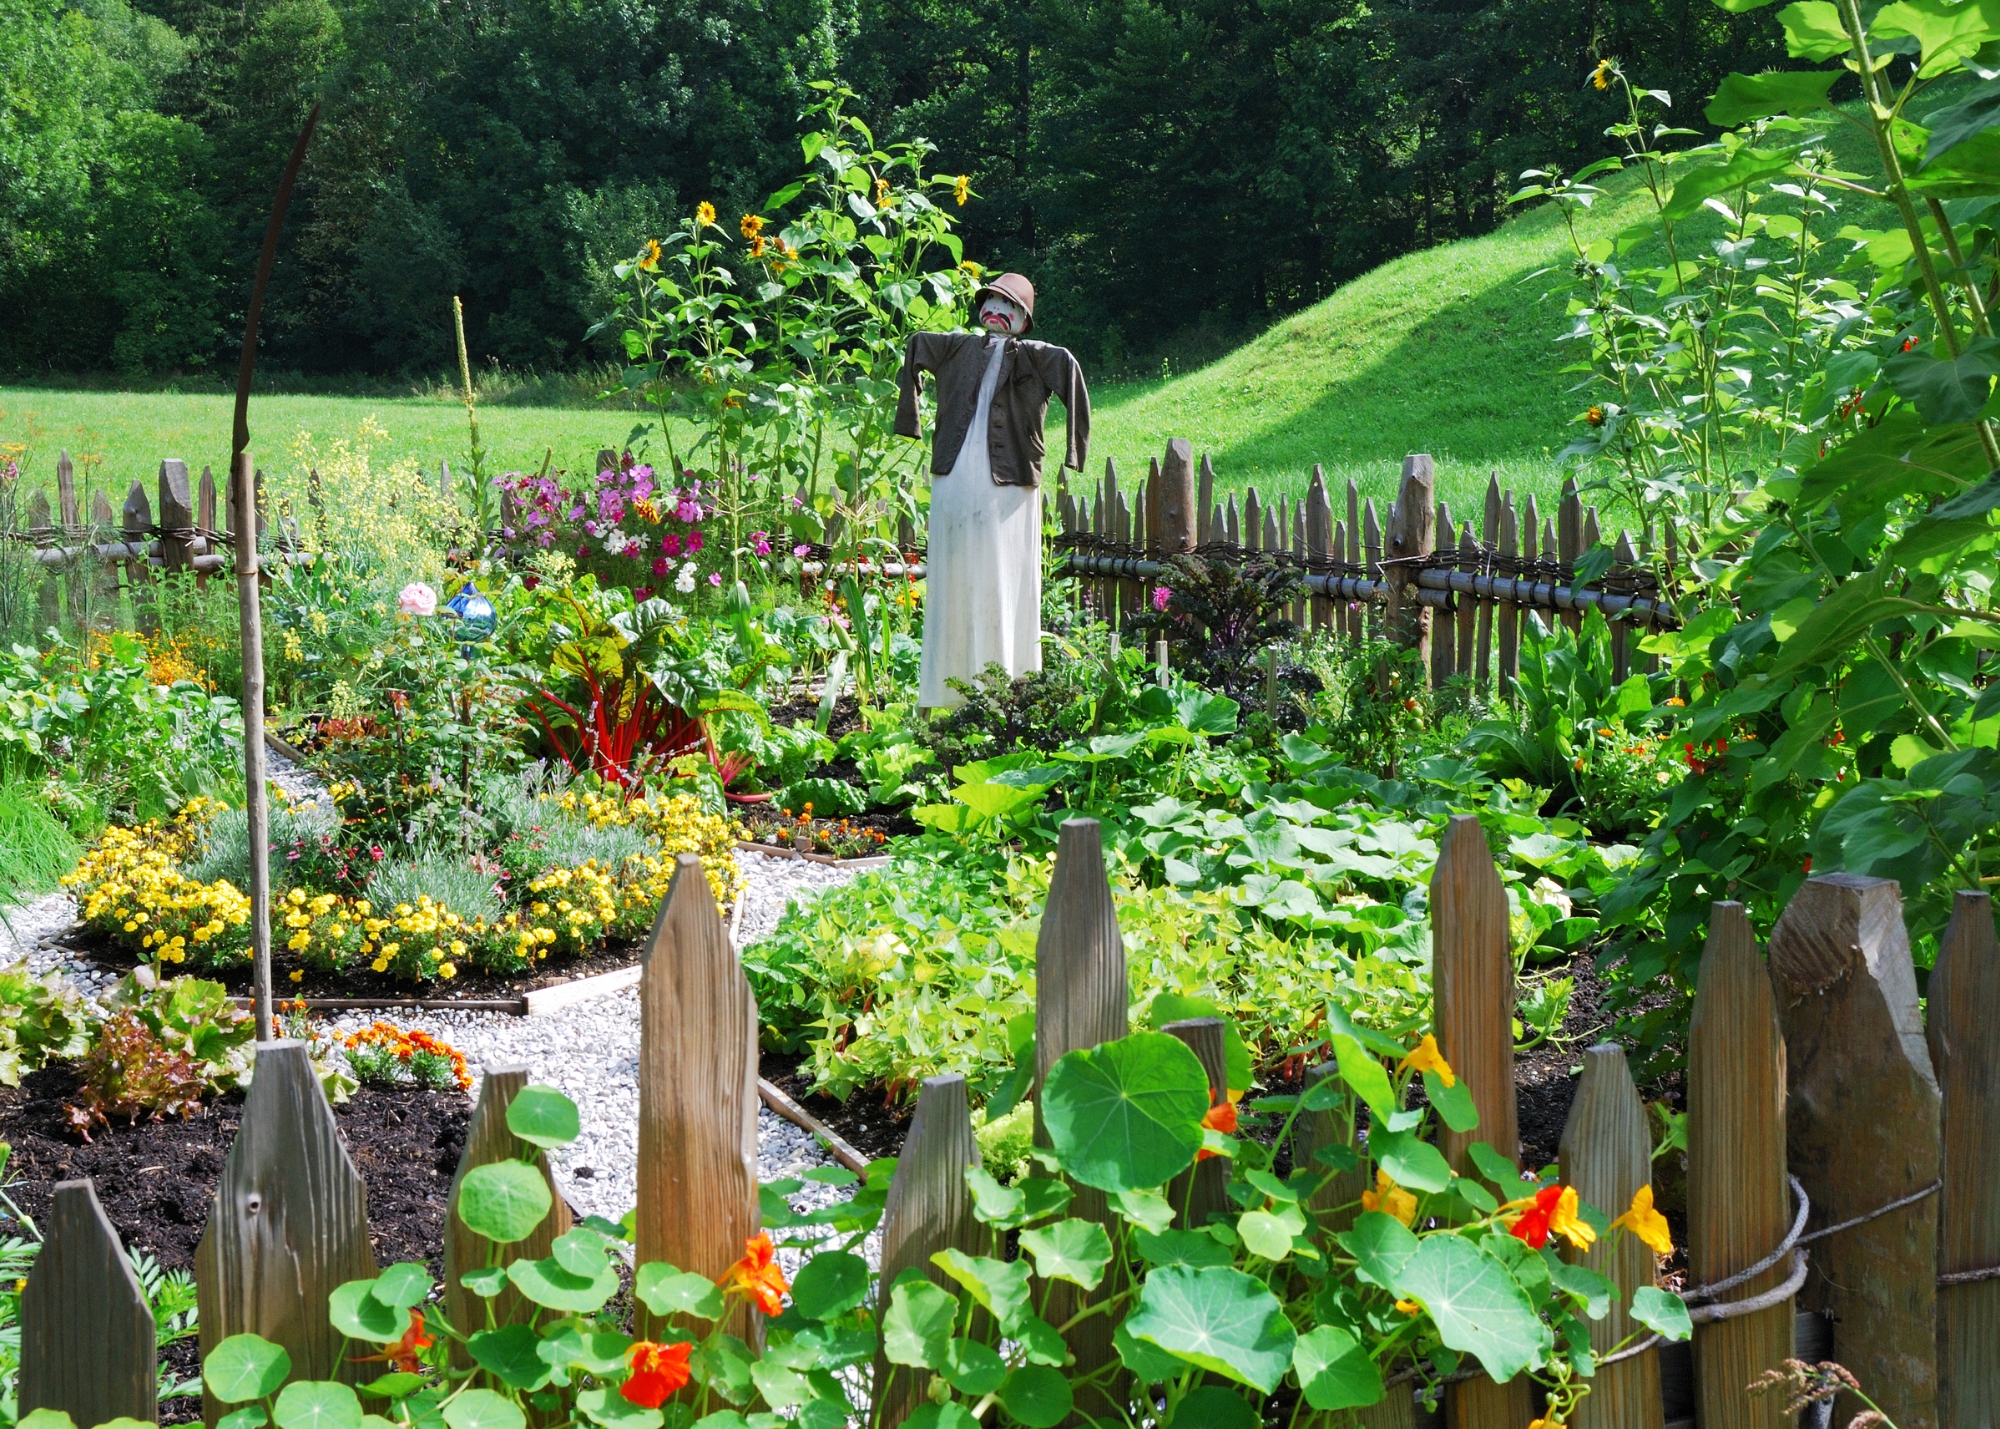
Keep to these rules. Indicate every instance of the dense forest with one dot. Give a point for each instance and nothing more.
(1173, 173)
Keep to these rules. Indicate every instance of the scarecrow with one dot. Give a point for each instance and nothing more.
(983, 594)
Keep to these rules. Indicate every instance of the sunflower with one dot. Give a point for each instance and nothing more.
(704, 214)
(649, 256)
(750, 225)
(961, 188)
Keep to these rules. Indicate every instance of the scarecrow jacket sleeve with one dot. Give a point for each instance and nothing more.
(1030, 373)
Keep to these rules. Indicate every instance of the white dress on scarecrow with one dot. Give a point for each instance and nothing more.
(989, 538)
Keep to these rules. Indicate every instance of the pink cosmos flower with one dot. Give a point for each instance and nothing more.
(760, 542)
(671, 545)
(643, 593)
(715, 578)
(661, 565)
(802, 550)
(693, 542)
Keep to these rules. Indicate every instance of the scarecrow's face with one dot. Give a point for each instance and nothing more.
(1002, 315)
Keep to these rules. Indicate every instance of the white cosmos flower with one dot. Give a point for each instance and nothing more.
(684, 583)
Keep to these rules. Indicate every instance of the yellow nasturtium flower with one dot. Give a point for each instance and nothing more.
(1646, 1223)
(1425, 1057)
(1390, 1199)
(1566, 1221)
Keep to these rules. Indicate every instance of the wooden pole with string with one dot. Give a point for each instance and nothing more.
(243, 502)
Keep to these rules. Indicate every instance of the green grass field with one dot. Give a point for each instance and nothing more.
(1449, 351)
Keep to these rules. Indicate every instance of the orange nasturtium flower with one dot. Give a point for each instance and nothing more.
(1389, 1198)
(657, 1371)
(1425, 1057)
(1646, 1223)
(1220, 1117)
(1409, 1307)
(402, 1355)
(758, 1276)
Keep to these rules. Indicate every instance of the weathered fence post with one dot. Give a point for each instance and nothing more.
(697, 1201)
(288, 1225)
(1082, 998)
(1489, 536)
(176, 516)
(1621, 628)
(1607, 1156)
(1155, 506)
(1203, 1187)
(1321, 543)
(487, 1141)
(1177, 500)
(1411, 540)
(1568, 543)
(88, 1344)
(1231, 529)
(1863, 1130)
(1469, 607)
(1472, 977)
(1738, 1203)
(138, 525)
(1444, 624)
(1204, 503)
(1964, 1013)
(1507, 615)
(929, 1209)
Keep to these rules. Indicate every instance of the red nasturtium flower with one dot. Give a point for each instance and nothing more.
(1220, 1117)
(402, 1355)
(1532, 1225)
(657, 1371)
(757, 1275)
(1554, 1209)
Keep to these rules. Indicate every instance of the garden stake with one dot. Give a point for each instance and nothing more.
(1160, 659)
(243, 497)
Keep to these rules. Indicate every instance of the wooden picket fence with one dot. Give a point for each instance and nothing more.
(1458, 599)
(1811, 1073)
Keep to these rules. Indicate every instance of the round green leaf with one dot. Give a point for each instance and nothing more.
(1210, 1406)
(667, 1291)
(357, 1314)
(483, 1409)
(999, 1286)
(245, 1367)
(1662, 1312)
(317, 1404)
(390, 1386)
(1126, 1116)
(1037, 1396)
(504, 1201)
(1477, 1305)
(613, 1410)
(250, 1416)
(973, 1368)
(543, 1116)
(1072, 1250)
(512, 1354)
(580, 1252)
(918, 1324)
(485, 1281)
(50, 1419)
(1219, 1319)
(1335, 1371)
(548, 1284)
(403, 1285)
(1150, 1363)
(830, 1284)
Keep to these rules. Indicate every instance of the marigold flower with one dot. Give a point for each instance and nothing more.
(657, 1371)
(1549, 1423)
(750, 225)
(1389, 1198)
(1646, 1223)
(1425, 1057)
(758, 1276)
(402, 1355)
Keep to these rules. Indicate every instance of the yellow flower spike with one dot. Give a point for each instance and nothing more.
(1567, 1223)
(1646, 1223)
(1425, 1057)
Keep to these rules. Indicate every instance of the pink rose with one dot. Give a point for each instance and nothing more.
(417, 599)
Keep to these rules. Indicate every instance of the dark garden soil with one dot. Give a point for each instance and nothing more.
(867, 1121)
(470, 985)
(804, 709)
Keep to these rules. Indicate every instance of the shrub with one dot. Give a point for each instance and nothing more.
(40, 1017)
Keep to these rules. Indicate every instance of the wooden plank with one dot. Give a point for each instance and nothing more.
(1489, 536)
(1253, 520)
(204, 505)
(1593, 535)
(1371, 554)
(1863, 1130)
(43, 535)
(88, 1345)
(1155, 507)
(1343, 610)
(66, 507)
(1412, 537)
(1203, 1188)
(697, 1194)
(1315, 1129)
(1621, 630)
(1608, 1155)
(1569, 523)
(929, 1209)
(1964, 1011)
(1468, 608)
(1178, 510)
(1444, 623)
(487, 1141)
(1205, 502)
(176, 515)
(1131, 524)
(1506, 615)
(1322, 544)
(137, 525)
(1300, 613)
(1081, 999)
(1218, 527)
(1232, 531)
(287, 1226)
(1472, 972)
(1114, 505)
(1739, 1206)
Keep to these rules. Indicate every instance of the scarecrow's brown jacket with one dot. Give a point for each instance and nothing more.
(1030, 373)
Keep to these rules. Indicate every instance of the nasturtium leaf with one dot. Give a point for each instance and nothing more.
(1043, 1344)
(1042, 1198)
(973, 1368)
(580, 1252)
(1498, 1169)
(1453, 1103)
(1126, 1116)
(667, 1291)
(1271, 1186)
(403, 1285)
(1412, 1163)
(357, 1314)
(1210, 1406)
(485, 1281)
(830, 1176)
(1148, 1210)
(722, 1362)
(482, 1409)
(1268, 1235)
(390, 1386)
(1364, 1073)
(1335, 1371)
(949, 1415)
(1476, 1304)
(1220, 1319)
(1037, 1396)
(512, 1354)
(549, 1285)
(1475, 1195)
(1150, 1363)
(999, 1286)
(782, 1388)
(831, 1283)
(58, 1419)
(1597, 1292)
(598, 1352)
(612, 1410)
(1072, 1250)
(993, 1203)
(320, 1404)
(250, 1416)
(1662, 1312)
(1381, 1246)
(503, 1201)
(1196, 1248)
(245, 1367)
(544, 1117)
(917, 1326)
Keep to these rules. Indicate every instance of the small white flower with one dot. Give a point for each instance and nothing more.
(684, 583)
